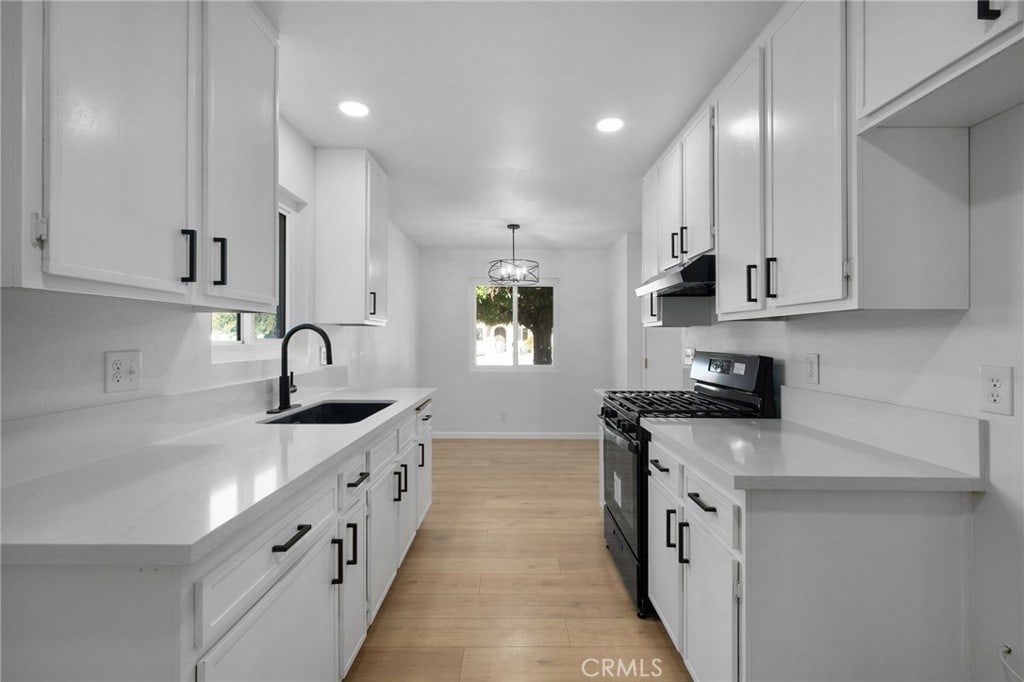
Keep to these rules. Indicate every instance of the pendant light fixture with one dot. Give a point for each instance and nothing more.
(514, 271)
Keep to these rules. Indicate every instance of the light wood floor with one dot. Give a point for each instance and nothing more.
(508, 578)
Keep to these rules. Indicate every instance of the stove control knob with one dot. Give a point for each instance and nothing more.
(627, 427)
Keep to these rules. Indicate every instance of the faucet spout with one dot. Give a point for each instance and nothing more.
(284, 384)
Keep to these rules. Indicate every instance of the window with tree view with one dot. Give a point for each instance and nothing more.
(514, 326)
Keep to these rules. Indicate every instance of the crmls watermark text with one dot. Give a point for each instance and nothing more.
(617, 667)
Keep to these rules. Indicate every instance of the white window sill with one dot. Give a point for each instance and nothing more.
(226, 351)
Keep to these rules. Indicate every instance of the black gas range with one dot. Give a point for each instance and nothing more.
(725, 386)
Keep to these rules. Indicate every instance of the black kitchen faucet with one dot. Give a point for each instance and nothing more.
(284, 381)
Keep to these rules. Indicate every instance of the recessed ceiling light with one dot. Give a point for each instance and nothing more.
(350, 107)
(609, 125)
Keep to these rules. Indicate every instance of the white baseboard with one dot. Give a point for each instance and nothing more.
(514, 435)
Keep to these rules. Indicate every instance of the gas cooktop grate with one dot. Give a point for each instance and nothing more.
(677, 404)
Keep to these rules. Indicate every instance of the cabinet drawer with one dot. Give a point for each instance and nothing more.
(665, 468)
(424, 413)
(382, 452)
(407, 432)
(353, 481)
(224, 594)
(712, 508)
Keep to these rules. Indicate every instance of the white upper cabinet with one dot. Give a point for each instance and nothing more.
(740, 185)
(240, 153)
(805, 147)
(351, 238)
(905, 43)
(156, 124)
(649, 224)
(118, 193)
(670, 207)
(698, 187)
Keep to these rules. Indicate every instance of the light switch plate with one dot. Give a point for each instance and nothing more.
(122, 370)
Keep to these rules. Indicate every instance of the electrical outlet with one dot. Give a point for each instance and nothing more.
(812, 365)
(122, 370)
(995, 385)
(688, 356)
(502, 416)
(323, 355)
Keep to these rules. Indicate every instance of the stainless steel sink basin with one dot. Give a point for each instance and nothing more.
(332, 412)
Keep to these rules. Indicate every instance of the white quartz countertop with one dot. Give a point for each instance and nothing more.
(174, 501)
(773, 454)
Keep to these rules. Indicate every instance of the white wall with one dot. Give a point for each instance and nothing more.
(53, 344)
(930, 360)
(624, 310)
(550, 402)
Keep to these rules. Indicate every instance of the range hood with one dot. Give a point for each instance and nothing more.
(695, 277)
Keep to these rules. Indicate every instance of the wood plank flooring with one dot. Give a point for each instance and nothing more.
(508, 579)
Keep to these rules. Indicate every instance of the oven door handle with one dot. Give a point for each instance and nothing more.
(620, 439)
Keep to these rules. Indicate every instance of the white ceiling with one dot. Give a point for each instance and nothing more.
(483, 112)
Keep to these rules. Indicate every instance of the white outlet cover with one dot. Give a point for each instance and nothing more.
(122, 370)
(688, 356)
(995, 389)
(812, 368)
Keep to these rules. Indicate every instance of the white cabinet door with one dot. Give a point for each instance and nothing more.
(649, 310)
(353, 603)
(240, 154)
(408, 508)
(698, 188)
(740, 249)
(664, 572)
(118, 141)
(670, 207)
(805, 150)
(377, 243)
(267, 646)
(905, 42)
(425, 466)
(382, 536)
(710, 608)
(649, 225)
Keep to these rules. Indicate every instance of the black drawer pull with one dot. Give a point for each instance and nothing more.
(355, 544)
(302, 529)
(427, 417)
(657, 465)
(373, 303)
(672, 241)
(190, 235)
(363, 475)
(682, 241)
(405, 486)
(750, 290)
(700, 503)
(682, 525)
(399, 498)
(223, 241)
(669, 513)
(340, 544)
(770, 265)
(986, 13)
(423, 455)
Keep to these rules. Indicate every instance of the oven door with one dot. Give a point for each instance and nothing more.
(621, 483)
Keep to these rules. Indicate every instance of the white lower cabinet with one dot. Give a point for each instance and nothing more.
(408, 507)
(424, 468)
(382, 535)
(290, 634)
(710, 606)
(352, 571)
(665, 572)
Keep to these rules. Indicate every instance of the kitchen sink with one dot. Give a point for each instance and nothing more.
(332, 412)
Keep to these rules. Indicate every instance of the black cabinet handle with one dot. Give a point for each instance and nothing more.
(423, 455)
(657, 465)
(223, 241)
(190, 235)
(373, 302)
(363, 475)
(427, 418)
(654, 313)
(399, 498)
(986, 13)
(750, 292)
(682, 525)
(355, 544)
(770, 264)
(682, 241)
(340, 544)
(302, 529)
(672, 241)
(405, 486)
(701, 503)
(669, 513)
